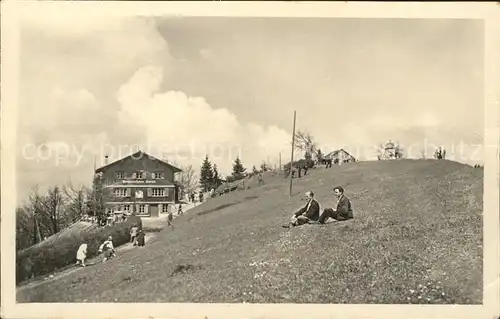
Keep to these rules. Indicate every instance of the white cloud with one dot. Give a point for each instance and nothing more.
(188, 128)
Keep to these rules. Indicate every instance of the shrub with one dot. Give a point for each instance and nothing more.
(300, 163)
(51, 255)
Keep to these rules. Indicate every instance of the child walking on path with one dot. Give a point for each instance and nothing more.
(81, 254)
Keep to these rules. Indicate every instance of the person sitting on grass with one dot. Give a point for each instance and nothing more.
(342, 212)
(81, 254)
(310, 212)
(108, 248)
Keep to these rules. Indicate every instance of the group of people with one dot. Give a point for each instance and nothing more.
(137, 236)
(299, 171)
(196, 197)
(107, 249)
(310, 213)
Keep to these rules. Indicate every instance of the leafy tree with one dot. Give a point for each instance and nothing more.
(77, 202)
(206, 174)
(305, 142)
(187, 179)
(238, 169)
(307, 156)
(399, 151)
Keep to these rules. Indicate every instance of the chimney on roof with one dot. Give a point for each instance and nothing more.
(106, 160)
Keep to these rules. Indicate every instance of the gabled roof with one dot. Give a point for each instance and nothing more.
(138, 154)
(334, 153)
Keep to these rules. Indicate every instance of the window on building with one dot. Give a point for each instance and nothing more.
(140, 175)
(164, 208)
(142, 209)
(120, 175)
(158, 175)
(158, 192)
(126, 208)
(120, 192)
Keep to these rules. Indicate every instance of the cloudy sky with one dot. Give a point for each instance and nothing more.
(186, 87)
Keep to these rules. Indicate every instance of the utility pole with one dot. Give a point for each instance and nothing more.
(291, 158)
(280, 163)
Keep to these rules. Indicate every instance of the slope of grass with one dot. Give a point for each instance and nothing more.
(416, 238)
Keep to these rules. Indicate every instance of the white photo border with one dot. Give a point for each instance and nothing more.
(14, 11)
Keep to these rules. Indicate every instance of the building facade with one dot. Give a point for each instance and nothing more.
(340, 157)
(139, 184)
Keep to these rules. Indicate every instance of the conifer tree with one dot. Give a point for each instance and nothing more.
(238, 169)
(206, 174)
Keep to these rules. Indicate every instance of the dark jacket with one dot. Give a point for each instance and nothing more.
(344, 207)
(312, 213)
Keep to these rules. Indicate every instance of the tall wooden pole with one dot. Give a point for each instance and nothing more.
(280, 163)
(291, 157)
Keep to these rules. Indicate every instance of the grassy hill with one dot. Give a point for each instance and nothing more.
(416, 238)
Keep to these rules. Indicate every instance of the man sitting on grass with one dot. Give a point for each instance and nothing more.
(310, 212)
(342, 212)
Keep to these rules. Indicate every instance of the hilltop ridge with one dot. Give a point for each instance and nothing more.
(416, 237)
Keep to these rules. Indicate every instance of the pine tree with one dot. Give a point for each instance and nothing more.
(238, 169)
(216, 177)
(206, 174)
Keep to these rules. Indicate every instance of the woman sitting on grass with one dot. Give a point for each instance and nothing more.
(81, 254)
(108, 248)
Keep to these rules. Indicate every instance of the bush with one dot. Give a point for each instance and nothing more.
(300, 163)
(51, 255)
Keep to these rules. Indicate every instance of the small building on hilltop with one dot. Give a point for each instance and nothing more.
(139, 184)
(340, 156)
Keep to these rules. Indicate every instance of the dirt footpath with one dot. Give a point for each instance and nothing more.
(152, 224)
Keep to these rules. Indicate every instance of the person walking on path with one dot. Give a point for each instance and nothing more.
(170, 218)
(141, 238)
(133, 235)
(260, 179)
(81, 255)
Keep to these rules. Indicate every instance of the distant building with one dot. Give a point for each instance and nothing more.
(339, 157)
(139, 184)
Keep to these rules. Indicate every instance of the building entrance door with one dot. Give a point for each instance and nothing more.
(153, 208)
